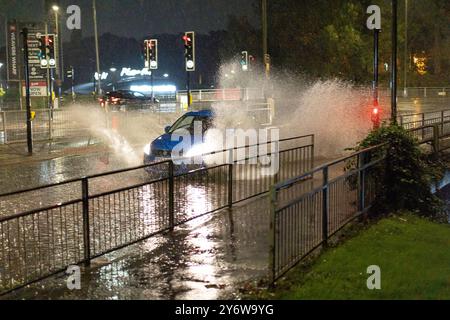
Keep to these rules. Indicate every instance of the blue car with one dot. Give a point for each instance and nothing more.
(161, 148)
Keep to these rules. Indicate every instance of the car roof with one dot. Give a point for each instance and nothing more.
(201, 113)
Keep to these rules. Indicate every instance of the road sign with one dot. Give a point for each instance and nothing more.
(37, 89)
(13, 51)
(35, 30)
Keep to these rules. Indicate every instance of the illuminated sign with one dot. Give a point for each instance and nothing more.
(103, 76)
(156, 89)
(128, 72)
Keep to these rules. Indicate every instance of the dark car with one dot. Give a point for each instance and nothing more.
(126, 100)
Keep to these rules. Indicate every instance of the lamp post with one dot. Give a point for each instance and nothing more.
(1, 84)
(2, 92)
(406, 62)
(394, 63)
(97, 54)
(58, 69)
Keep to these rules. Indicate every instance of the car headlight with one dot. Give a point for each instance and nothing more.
(147, 150)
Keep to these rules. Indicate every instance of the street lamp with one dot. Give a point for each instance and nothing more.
(58, 57)
(1, 84)
(97, 54)
(406, 62)
(394, 63)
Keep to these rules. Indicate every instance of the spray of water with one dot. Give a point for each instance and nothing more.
(124, 133)
(337, 112)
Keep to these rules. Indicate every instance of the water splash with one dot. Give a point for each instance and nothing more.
(337, 112)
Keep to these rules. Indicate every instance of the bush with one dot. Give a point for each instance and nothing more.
(403, 180)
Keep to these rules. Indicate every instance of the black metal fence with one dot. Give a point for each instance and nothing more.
(69, 122)
(307, 210)
(44, 230)
(330, 200)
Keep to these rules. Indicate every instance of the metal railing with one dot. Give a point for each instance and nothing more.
(71, 122)
(305, 213)
(328, 202)
(44, 230)
(414, 92)
(415, 120)
(224, 94)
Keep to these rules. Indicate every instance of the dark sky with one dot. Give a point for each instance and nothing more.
(138, 18)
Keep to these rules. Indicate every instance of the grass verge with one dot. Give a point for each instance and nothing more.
(413, 254)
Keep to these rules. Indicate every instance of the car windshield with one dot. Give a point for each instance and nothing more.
(187, 122)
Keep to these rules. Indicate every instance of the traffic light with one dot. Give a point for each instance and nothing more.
(244, 61)
(43, 50)
(153, 54)
(51, 51)
(70, 73)
(376, 114)
(189, 50)
(47, 51)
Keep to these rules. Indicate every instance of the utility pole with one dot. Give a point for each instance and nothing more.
(394, 63)
(374, 23)
(58, 70)
(264, 28)
(27, 91)
(376, 41)
(406, 62)
(97, 55)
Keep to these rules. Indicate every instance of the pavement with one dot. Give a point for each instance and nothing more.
(15, 154)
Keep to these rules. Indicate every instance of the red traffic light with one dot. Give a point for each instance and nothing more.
(376, 114)
(187, 40)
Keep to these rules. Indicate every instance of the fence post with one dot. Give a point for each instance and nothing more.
(230, 178)
(272, 234)
(5, 136)
(361, 182)
(423, 124)
(50, 125)
(436, 139)
(313, 151)
(325, 207)
(442, 122)
(86, 224)
(171, 196)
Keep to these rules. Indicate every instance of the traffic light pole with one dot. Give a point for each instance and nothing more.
(394, 63)
(27, 91)
(375, 111)
(73, 84)
(151, 83)
(52, 86)
(376, 37)
(189, 88)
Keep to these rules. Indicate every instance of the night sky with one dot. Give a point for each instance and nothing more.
(138, 18)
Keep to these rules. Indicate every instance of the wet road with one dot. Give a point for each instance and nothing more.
(207, 258)
(51, 238)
